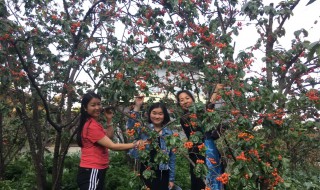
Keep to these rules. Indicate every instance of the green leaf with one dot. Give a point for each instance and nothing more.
(310, 2)
(313, 48)
(298, 32)
(241, 74)
(173, 141)
(152, 57)
(147, 174)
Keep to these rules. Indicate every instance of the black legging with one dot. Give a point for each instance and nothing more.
(196, 183)
(161, 182)
(89, 178)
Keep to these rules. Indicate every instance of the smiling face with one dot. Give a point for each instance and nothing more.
(157, 117)
(94, 108)
(185, 101)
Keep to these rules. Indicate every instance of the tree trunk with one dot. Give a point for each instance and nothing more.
(3, 14)
(1, 148)
(269, 48)
(55, 170)
(34, 140)
(264, 185)
(39, 154)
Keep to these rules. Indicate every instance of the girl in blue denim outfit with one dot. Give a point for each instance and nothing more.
(158, 117)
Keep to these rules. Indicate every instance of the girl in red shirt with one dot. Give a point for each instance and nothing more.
(94, 143)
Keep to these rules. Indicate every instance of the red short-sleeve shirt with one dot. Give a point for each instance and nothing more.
(93, 155)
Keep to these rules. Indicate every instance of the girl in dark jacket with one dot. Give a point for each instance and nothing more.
(212, 156)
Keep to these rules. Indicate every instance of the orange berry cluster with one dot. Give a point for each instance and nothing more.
(193, 116)
(193, 123)
(210, 110)
(224, 178)
(142, 85)
(277, 178)
(245, 136)
(199, 161)
(255, 152)
(74, 26)
(242, 157)
(188, 144)
(235, 112)
(201, 146)
(137, 124)
(313, 95)
(141, 147)
(276, 117)
(212, 160)
(133, 115)
(130, 132)
(119, 76)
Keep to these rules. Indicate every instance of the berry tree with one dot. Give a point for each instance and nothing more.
(51, 52)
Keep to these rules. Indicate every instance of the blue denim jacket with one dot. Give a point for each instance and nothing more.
(165, 132)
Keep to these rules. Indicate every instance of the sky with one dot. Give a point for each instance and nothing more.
(303, 17)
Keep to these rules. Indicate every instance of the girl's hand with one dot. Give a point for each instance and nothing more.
(142, 142)
(216, 92)
(108, 114)
(171, 184)
(218, 87)
(138, 100)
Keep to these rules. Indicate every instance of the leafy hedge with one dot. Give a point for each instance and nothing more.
(120, 176)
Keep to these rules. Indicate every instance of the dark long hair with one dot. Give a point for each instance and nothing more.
(166, 118)
(184, 91)
(84, 116)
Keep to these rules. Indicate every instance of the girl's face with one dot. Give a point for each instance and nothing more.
(157, 116)
(185, 101)
(94, 108)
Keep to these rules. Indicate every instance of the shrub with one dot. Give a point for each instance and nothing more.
(120, 176)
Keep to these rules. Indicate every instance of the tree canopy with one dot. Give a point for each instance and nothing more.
(52, 52)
